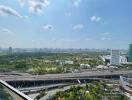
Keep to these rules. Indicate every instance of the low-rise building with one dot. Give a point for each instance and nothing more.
(102, 67)
(84, 66)
(123, 60)
(69, 62)
(62, 62)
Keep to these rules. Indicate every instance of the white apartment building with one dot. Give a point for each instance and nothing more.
(115, 57)
(61, 62)
(123, 60)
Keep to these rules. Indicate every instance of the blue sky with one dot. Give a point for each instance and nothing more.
(66, 23)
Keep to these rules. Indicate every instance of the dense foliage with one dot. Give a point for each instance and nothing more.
(42, 63)
(91, 91)
(42, 93)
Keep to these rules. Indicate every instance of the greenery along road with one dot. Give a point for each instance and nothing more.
(92, 91)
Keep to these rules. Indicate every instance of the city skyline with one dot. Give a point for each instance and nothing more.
(65, 24)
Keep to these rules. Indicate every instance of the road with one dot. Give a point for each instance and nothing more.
(49, 92)
(63, 76)
(53, 92)
(38, 88)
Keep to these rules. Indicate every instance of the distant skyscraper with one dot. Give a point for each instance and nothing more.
(115, 57)
(130, 53)
(10, 49)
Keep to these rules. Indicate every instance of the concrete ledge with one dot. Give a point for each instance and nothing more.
(14, 93)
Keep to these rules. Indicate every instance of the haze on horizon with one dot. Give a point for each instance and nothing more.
(65, 23)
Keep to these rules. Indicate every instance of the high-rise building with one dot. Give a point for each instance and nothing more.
(10, 49)
(115, 57)
(130, 53)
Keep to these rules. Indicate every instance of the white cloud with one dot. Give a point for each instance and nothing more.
(48, 27)
(22, 2)
(5, 11)
(77, 3)
(106, 38)
(68, 14)
(88, 39)
(95, 19)
(35, 6)
(106, 33)
(26, 17)
(5, 30)
(78, 27)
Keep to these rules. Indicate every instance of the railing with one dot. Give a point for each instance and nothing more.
(11, 92)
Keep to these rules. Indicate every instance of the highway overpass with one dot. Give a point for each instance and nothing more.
(25, 82)
(92, 74)
(41, 80)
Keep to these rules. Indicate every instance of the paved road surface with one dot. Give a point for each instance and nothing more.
(63, 76)
(53, 92)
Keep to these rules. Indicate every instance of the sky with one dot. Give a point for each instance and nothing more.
(66, 23)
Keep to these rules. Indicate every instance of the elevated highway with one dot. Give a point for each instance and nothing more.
(27, 80)
(27, 83)
(92, 74)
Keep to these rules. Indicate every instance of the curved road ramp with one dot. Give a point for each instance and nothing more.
(126, 86)
(7, 92)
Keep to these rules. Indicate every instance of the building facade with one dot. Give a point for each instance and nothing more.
(115, 57)
(130, 53)
(10, 50)
(123, 60)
